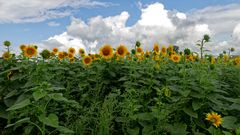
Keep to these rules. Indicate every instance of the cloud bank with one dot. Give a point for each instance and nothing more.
(156, 24)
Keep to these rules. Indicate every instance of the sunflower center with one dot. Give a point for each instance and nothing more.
(87, 60)
(106, 52)
(175, 58)
(30, 51)
(120, 51)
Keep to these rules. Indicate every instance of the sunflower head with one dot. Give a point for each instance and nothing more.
(237, 60)
(71, 50)
(82, 52)
(164, 51)
(170, 48)
(139, 50)
(65, 54)
(106, 52)
(60, 55)
(87, 60)
(23, 47)
(175, 58)
(214, 118)
(30, 51)
(148, 54)
(121, 51)
(55, 50)
(7, 56)
(70, 56)
(156, 47)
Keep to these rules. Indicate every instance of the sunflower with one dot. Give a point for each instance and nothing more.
(106, 52)
(60, 55)
(65, 54)
(148, 54)
(237, 60)
(7, 56)
(175, 58)
(71, 50)
(30, 51)
(170, 48)
(139, 50)
(190, 57)
(70, 56)
(87, 60)
(82, 52)
(212, 61)
(225, 57)
(23, 47)
(121, 51)
(214, 118)
(156, 48)
(164, 51)
(55, 50)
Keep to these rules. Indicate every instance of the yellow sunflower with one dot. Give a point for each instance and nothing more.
(23, 47)
(214, 118)
(237, 60)
(82, 52)
(30, 51)
(87, 60)
(121, 51)
(156, 48)
(175, 58)
(71, 50)
(70, 56)
(61, 55)
(164, 51)
(7, 56)
(225, 57)
(170, 48)
(106, 52)
(55, 50)
(139, 50)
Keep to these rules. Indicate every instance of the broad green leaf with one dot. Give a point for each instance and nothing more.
(185, 93)
(214, 131)
(58, 97)
(196, 105)
(18, 122)
(144, 116)
(134, 131)
(177, 129)
(64, 130)
(147, 130)
(19, 105)
(227, 133)
(51, 120)
(39, 94)
(190, 112)
(229, 122)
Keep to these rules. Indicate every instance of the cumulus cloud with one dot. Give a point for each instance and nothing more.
(157, 24)
(41, 10)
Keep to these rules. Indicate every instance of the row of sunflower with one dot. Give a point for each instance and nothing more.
(107, 52)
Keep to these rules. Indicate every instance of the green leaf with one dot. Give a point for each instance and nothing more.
(39, 94)
(228, 122)
(177, 129)
(184, 93)
(190, 112)
(51, 120)
(144, 116)
(238, 131)
(134, 131)
(147, 130)
(227, 133)
(214, 131)
(19, 105)
(196, 105)
(19, 122)
(58, 97)
(64, 130)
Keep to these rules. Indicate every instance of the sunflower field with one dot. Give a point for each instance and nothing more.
(118, 92)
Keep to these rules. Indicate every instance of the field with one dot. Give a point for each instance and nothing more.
(119, 91)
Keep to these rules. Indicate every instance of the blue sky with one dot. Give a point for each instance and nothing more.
(22, 31)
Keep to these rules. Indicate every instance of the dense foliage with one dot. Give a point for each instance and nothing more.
(159, 92)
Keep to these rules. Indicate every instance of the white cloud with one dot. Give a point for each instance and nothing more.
(236, 32)
(157, 24)
(53, 24)
(40, 10)
(181, 16)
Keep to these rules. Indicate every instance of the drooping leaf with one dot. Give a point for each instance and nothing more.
(39, 94)
(19, 105)
(19, 122)
(51, 120)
